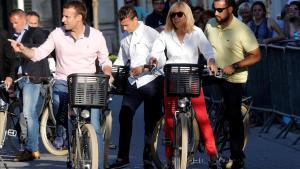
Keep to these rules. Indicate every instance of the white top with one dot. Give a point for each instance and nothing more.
(186, 52)
(136, 47)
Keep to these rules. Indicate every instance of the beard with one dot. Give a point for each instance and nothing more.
(222, 20)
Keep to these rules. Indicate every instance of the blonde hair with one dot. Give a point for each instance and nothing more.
(189, 22)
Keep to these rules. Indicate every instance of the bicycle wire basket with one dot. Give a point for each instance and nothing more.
(120, 74)
(183, 80)
(88, 90)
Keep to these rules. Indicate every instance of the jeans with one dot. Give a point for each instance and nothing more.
(30, 94)
(60, 109)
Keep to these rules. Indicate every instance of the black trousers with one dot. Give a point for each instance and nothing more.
(152, 95)
(232, 95)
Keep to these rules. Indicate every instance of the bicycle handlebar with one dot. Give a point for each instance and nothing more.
(208, 73)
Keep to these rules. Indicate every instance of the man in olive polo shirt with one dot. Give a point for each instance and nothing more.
(236, 49)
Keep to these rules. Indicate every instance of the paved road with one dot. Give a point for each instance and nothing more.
(262, 151)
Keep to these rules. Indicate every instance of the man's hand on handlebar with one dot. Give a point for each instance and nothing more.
(153, 61)
(228, 70)
(8, 82)
(212, 66)
(135, 72)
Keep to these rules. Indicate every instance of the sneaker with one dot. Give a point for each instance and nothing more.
(234, 164)
(58, 142)
(119, 163)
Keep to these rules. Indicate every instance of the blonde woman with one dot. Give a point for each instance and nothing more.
(184, 42)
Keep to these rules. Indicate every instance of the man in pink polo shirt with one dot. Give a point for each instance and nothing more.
(77, 46)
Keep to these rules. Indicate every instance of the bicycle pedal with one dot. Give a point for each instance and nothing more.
(112, 146)
(197, 161)
(12, 133)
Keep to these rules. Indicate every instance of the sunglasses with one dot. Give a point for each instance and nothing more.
(220, 10)
(179, 14)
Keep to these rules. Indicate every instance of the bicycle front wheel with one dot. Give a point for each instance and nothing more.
(181, 144)
(85, 148)
(159, 141)
(48, 133)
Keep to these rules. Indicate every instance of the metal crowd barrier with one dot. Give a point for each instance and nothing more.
(274, 84)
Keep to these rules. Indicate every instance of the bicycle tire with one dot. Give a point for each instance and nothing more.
(181, 146)
(220, 130)
(47, 132)
(3, 121)
(79, 157)
(158, 154)
(13, 116)
(107, 128)
(246, 121)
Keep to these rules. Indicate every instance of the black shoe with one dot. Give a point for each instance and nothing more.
(213, 165)
(119, 163)
(234, 164)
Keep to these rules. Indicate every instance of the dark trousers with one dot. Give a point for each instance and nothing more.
(151, 94)
(232, 94)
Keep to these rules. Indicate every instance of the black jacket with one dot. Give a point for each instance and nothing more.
(8, 61)
(34, 37)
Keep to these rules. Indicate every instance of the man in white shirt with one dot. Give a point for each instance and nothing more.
(142, 86)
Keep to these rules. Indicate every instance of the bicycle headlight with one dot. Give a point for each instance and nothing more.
(181, 103)
(85, 114)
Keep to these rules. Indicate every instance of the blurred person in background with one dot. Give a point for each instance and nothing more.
(197, 12)
(141, 13)
(157, 19)
(244, 12)
(291, 26)
(262, 26)
(33, 19)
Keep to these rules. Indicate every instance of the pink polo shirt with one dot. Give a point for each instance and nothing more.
(74, 56)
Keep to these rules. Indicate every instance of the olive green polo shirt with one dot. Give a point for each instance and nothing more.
(231, 45)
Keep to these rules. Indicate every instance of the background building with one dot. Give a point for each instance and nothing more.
(50, 12)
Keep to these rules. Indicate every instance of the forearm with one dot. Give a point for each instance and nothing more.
(249, 60)
(27, 52)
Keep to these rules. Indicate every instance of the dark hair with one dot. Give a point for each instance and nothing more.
(261, 4)
(16, 12)
(229, 3)
(158, 0)
(79, 7)
(33, 13)
(297, 3)
(127, 11)
(197, 8)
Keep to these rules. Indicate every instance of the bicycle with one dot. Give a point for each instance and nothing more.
(86, 91)
(220, 125)
(10, 109)
(182, 80)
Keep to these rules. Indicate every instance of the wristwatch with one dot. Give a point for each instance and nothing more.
(235, 66)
